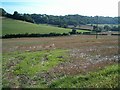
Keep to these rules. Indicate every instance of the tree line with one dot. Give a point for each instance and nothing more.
(17, 16)
(61, 21)
(47, 35)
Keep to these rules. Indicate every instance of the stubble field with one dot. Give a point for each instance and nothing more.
(75, 61)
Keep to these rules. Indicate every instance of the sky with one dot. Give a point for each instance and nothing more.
(63, 7)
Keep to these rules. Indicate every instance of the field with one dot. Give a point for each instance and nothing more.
(76, 61)
(11, 26)
(102, 25)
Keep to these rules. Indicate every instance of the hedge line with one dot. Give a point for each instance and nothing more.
(33, 35)
(47, 35)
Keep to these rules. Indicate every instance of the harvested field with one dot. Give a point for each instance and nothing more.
(43, 62)
(67, 42)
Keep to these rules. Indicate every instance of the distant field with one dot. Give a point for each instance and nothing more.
(10, 26)
(102, 25)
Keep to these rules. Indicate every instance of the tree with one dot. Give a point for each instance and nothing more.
(107, 28)
(2, 12)
(94, 28)
(27, 17)
(115, 28)
(16, 15)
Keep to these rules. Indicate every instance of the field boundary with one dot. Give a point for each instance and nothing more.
(47, 35)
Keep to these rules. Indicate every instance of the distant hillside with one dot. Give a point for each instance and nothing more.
(61, 21)
(73, 19)
(11, 26)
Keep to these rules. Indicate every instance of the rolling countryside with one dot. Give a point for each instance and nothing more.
(56, 51)
(11, 26)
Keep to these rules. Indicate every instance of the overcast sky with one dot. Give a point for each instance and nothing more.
(63, 7)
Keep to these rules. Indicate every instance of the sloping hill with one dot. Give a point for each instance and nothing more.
(11, 26)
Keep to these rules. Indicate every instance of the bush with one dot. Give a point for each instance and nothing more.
(86, 33)
(33, 35)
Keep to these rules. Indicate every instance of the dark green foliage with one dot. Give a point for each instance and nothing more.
(33, 35)
(107, 28)
(27, 18)
(61, 21)
(115, 28)
(86, 33)
(2, 12)
(9, 15)
(73, 31)
(97, 28)
(17, 16)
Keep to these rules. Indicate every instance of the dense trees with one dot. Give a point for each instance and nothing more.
(61, 21)
(16, 15)
(72, 19)
(2, 12)
(107, 28)
(24, 17)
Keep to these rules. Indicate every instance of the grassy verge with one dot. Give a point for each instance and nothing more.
(106, 78)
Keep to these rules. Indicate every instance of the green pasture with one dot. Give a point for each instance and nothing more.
(11, 26)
